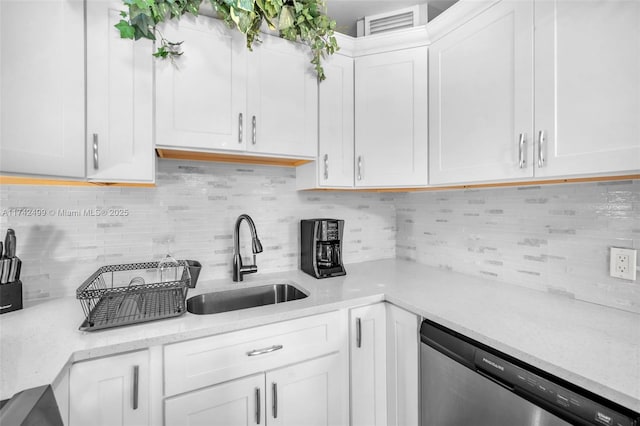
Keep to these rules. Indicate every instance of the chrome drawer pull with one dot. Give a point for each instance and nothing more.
(263, 351)
(96, 163)
(542, 141)
(254, 131)
(240, 128)
(275, 400)
(258, 409)
(522, 150)
(136, 373)
(326, 166)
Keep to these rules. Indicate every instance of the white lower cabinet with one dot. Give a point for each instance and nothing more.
(293, 373)
(111, 391)
(303, 394)
(235, 403)
(307, 394)
(368, 366)
(384, 366)
(288, 373)
(403, 360)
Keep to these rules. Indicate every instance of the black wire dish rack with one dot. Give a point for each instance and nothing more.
(118, 295)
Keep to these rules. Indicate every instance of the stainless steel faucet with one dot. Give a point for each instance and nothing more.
(256, 246)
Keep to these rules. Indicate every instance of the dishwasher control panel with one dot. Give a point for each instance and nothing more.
(532, 385)
(555, 395)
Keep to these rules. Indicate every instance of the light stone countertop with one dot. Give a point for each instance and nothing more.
(595, 347)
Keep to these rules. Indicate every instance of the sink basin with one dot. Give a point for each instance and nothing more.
(242, 298)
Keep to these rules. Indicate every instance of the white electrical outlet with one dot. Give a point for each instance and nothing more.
(623, 263)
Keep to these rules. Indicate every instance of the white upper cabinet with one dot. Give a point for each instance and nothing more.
(282, 99)
(537, 89)
(334, 168)
(42, 88)
(481, 87)
(201, 97)
(587, 86)
(218, 96)
(119, 99)
(391, 118)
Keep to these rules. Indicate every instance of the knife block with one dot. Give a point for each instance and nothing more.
(10, 297)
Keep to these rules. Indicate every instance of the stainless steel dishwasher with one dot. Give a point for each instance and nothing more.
(464, 382)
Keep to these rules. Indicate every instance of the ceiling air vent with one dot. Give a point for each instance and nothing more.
(390, 21)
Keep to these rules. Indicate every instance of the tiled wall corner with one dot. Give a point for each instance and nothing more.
(553, 238)
(191, 213)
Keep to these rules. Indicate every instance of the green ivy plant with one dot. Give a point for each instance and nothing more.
(296, 20)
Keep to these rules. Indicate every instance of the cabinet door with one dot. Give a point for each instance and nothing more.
(201, 96)
(282, 100)
(42, 87)
(480, 96)
(402, 367)
(335, 153)
(368, 366)
(391, 118)
(587, 86)
(307, 394)
(236, 403)
(110, 391)
(119, 99)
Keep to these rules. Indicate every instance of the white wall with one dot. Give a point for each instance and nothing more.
(191, 213)
(553, 238)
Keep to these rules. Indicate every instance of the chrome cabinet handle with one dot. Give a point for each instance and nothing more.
(240, 128)
(6, 306)
(96, 163)
(263, 351)
(274, 387)
(326, 166)
(253, 124)
(542, 142)
(522, 150)
(358, 333)
(258, 406)
(136, 373)
(359, 167)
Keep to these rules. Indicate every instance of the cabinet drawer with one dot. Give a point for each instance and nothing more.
(202, 362)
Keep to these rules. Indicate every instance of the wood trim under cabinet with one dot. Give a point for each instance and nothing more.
(175, 154)
(487, 185)
(20, 180)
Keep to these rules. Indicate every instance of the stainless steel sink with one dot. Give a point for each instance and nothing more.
(242, 298)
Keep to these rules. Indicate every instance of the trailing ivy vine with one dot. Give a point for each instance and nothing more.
(296, 20)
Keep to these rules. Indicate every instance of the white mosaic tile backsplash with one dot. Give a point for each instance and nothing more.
(191, 213)
(553, 238)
